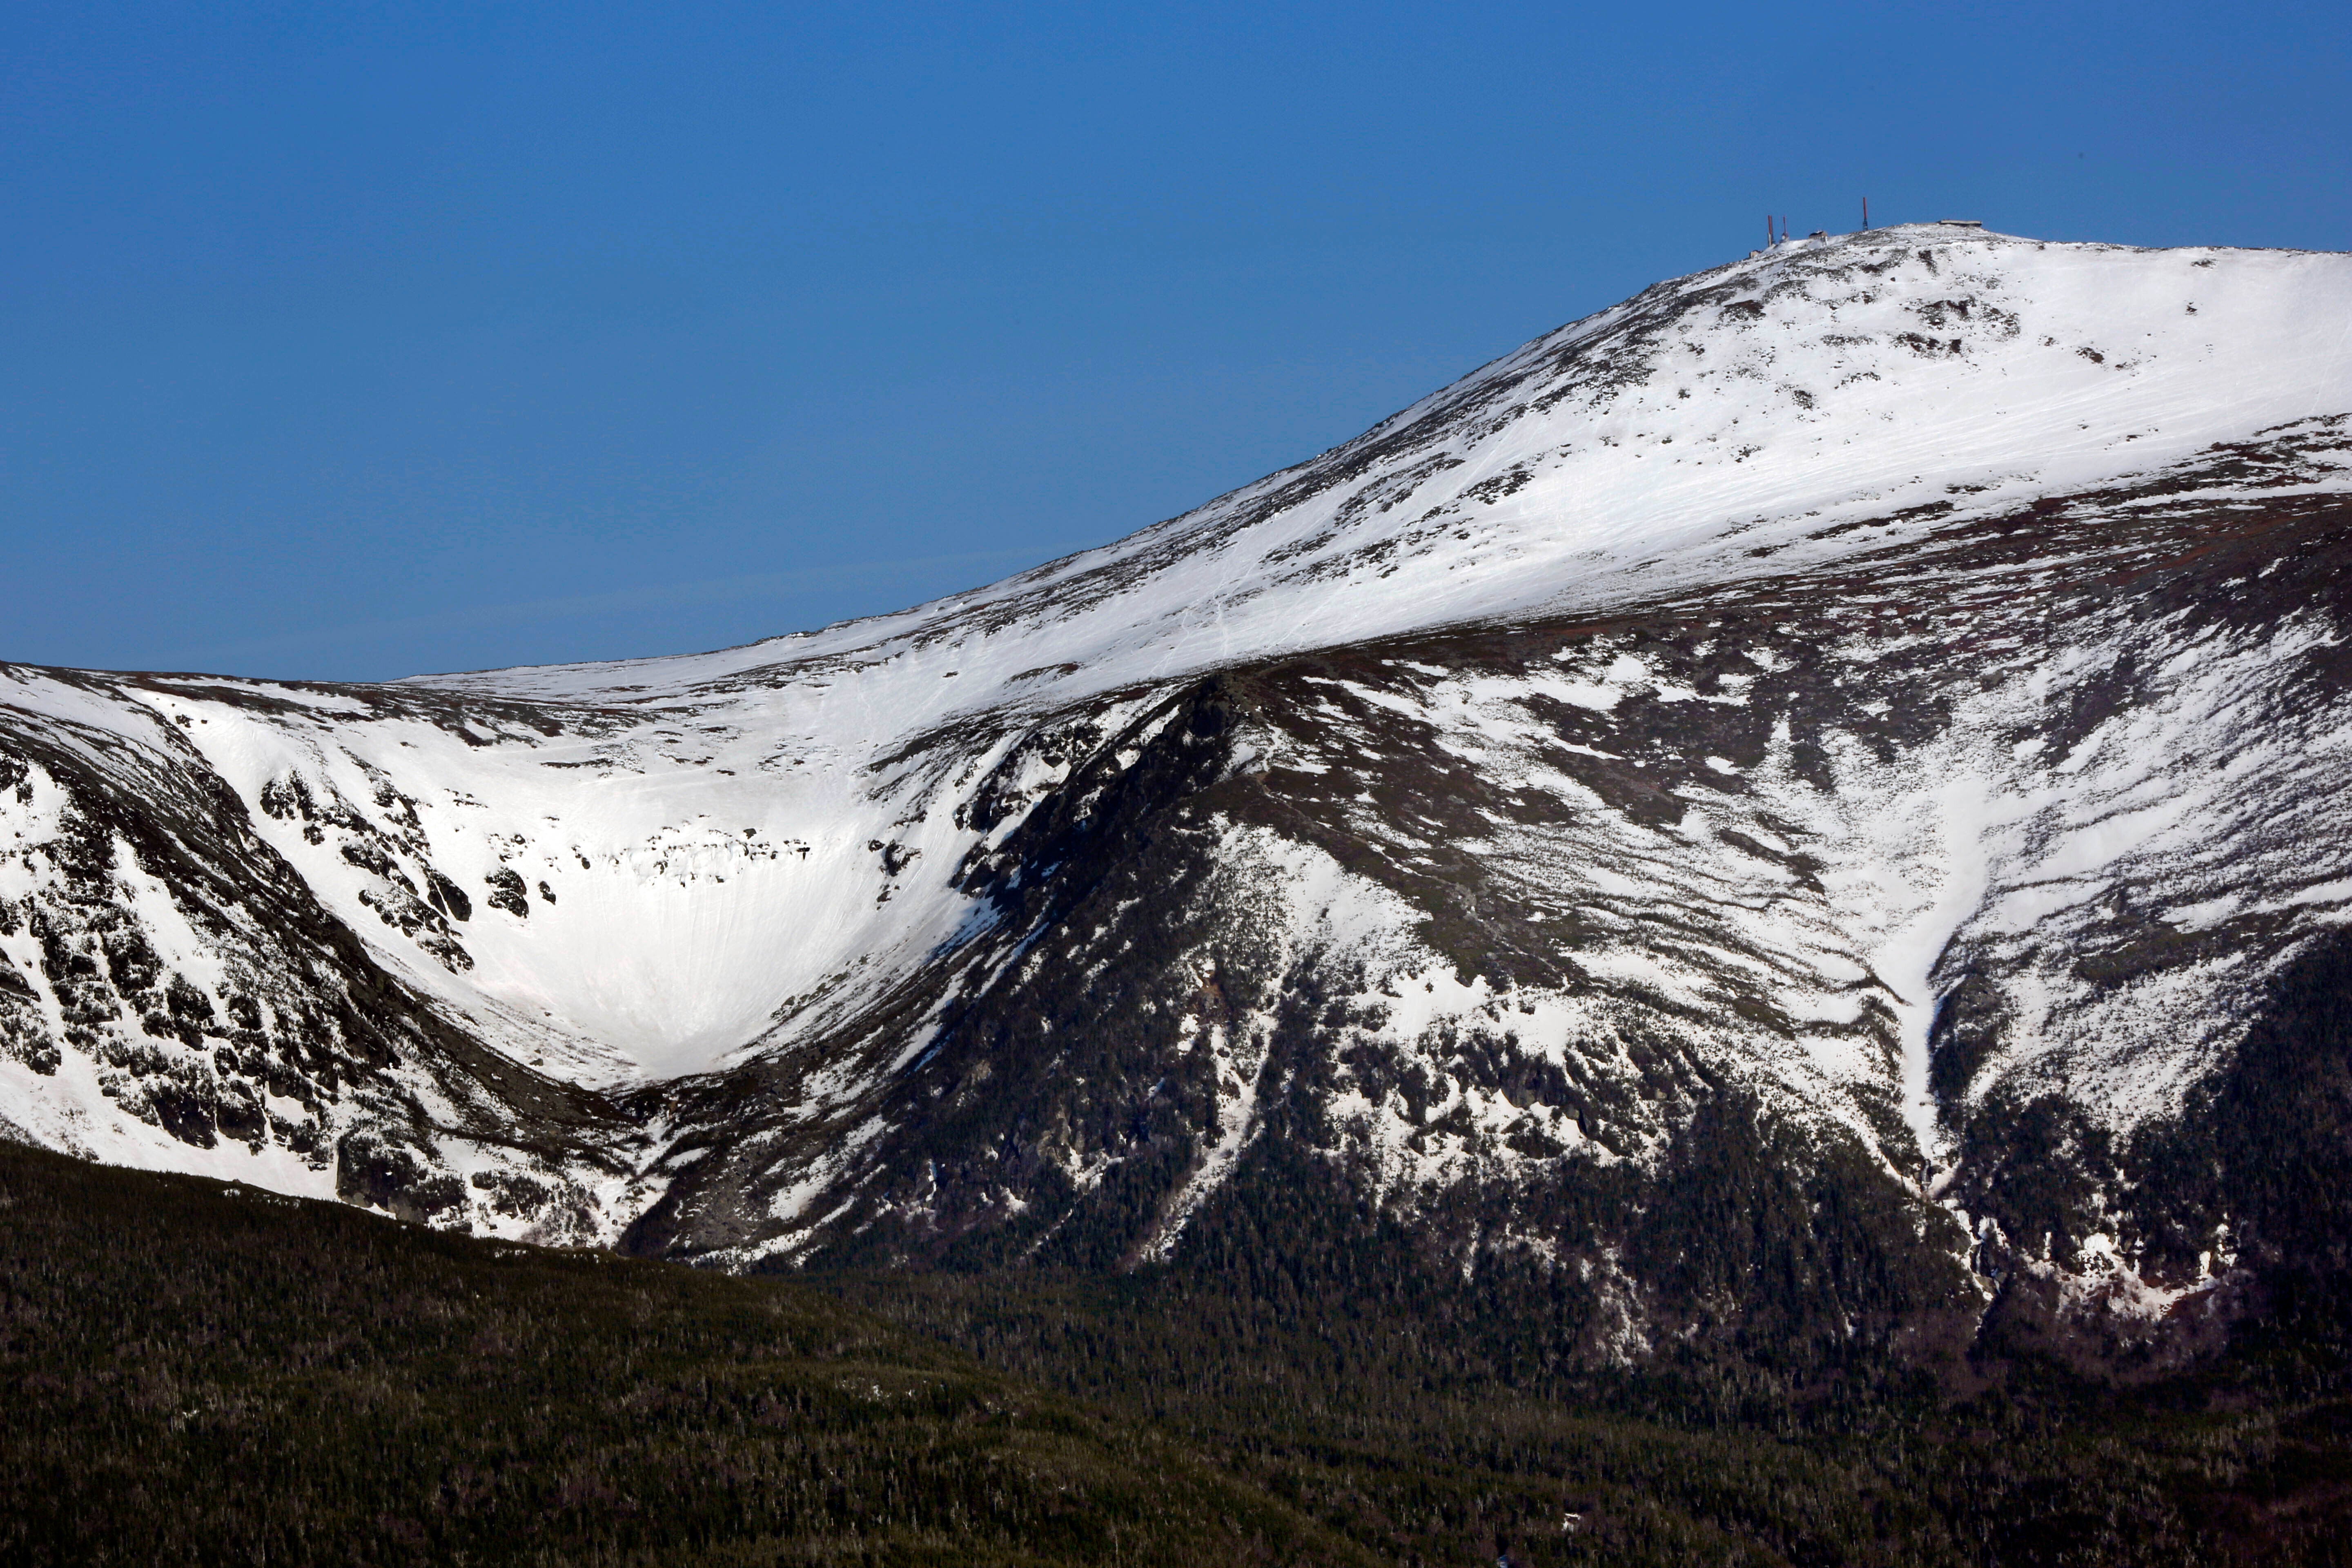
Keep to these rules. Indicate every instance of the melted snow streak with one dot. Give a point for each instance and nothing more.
(1885, 677)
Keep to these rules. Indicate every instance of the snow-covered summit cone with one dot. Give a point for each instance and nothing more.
(1685, 438)
(1858, 730)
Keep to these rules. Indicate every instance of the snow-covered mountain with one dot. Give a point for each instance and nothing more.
(1879, 705)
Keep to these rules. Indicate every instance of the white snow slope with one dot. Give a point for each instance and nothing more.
(1541, 483)
(722, 852)
(1648, 449)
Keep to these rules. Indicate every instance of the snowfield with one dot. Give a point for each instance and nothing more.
(1753, 669)
(1677, 441)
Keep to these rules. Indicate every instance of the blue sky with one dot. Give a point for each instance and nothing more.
(352, 341)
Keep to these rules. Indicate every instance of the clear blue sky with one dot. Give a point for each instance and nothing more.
(358, 339)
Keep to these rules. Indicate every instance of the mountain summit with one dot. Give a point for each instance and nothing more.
(1809, 803)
